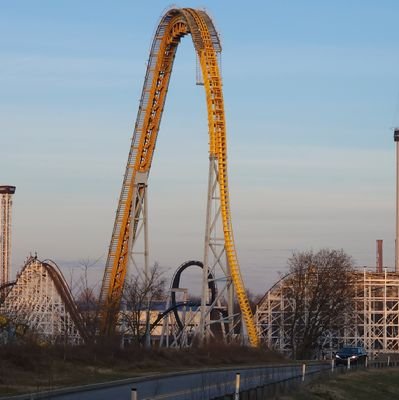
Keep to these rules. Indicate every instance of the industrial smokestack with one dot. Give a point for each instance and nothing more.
(396, 139)
(379, 258)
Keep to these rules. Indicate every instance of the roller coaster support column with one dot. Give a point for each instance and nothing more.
(215, 264)
(140, 227)
(139, 231)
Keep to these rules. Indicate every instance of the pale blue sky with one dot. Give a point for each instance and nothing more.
(311, 92)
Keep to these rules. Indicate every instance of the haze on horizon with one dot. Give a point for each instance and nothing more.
(311, 93)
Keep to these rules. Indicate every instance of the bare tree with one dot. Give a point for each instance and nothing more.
(321, 289)
(86, 297)
(139, 295)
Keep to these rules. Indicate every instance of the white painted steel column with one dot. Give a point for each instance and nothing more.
(205, 317)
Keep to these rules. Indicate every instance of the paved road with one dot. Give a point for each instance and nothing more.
(202, 385)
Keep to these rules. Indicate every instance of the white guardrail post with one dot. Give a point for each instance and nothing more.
(237, 391)
(332, 365)
(349, 363)
(133, 395)
(303, 372)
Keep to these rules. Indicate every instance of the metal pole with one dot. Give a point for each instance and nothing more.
(146, 258)
(237, 391)
(396, 139)
(133, 395)
(389, 359)
(146, 245)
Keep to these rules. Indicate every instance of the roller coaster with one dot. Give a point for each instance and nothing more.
(374, 320)
(222, 282)
(41, 297)
(131, 216)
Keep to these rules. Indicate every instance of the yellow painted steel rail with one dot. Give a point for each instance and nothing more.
(175, 24)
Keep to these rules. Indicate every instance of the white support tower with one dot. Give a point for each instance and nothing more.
(215, 317)
(373, 325)
(6, 193)
(138, 238)
(216, 271)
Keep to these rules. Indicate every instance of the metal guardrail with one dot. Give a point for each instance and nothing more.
(272, 390)
(227, 384)
(255, 383)
(277, 387)
(210, 383)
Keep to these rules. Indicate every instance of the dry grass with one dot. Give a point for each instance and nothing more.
(370, 384)
(30, 367)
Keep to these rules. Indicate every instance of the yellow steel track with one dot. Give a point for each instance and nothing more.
(175, 24)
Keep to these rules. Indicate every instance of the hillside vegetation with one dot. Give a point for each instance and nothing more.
(32, 368)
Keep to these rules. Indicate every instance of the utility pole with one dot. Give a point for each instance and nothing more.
(396, 139)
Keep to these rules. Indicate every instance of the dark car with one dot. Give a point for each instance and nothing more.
(357, 355)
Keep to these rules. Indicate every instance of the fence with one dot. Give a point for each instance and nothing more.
(278, 387)
(215, 384)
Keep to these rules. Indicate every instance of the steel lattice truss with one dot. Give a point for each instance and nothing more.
(374, 323)
(272, 316)
(6, 193)
(41, 300)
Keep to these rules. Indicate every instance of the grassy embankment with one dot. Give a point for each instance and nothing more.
(370, 384)
(32, 368)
